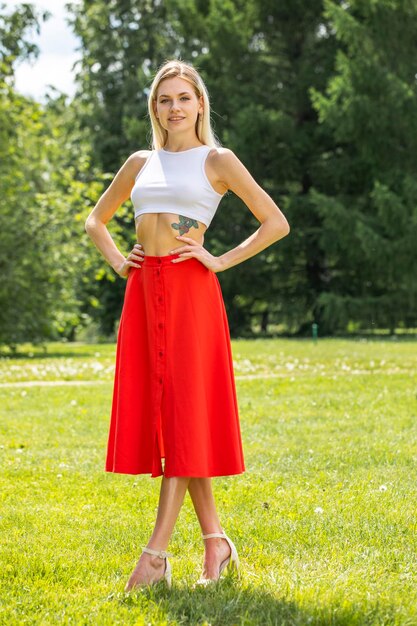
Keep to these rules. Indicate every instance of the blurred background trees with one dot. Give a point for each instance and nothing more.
(316, 98)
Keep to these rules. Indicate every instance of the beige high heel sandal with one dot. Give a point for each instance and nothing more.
(167, 577)
(232, 561)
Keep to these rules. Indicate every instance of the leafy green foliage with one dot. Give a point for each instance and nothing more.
(317, 99)
(368, 204)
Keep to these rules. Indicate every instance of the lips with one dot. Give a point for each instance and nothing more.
(175, 119)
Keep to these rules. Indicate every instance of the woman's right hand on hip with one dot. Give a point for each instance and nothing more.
(131, 260)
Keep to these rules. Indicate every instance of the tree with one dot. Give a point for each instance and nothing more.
(367, 196)
(46, 188)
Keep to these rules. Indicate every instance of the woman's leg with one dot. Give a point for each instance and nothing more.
(150, 567)
(216, 548)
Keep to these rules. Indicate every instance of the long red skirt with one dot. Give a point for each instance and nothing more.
(174, 395)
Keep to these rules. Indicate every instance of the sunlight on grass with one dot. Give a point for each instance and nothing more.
(324, 518)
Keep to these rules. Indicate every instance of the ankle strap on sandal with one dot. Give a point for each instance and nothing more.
(222, 535)
(161, 553)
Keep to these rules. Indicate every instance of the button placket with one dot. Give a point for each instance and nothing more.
(159, 348)
(160, 343)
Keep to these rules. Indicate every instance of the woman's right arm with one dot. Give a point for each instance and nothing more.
(95, 224)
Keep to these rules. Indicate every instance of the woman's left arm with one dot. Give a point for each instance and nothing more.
(274, 225)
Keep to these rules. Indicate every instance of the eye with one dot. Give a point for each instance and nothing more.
(182, 98)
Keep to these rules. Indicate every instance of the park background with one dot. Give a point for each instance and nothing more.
(318, 100)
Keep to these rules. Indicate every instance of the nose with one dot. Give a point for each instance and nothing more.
(175, 107)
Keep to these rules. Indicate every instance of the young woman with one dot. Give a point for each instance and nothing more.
(174, 394)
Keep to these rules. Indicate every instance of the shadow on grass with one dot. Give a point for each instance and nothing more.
(231, 604)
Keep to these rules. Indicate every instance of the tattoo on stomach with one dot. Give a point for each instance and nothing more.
(184, 224)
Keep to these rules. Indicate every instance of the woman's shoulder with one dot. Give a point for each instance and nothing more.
(220, 152)
(138, 157)
(136, 161)
(222, 158)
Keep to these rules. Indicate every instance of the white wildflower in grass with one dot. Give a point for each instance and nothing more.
(59, 475)
(382, 488)
(24, 393)
(244, 366)
(318, 509)
(73, 402)
(56, 369)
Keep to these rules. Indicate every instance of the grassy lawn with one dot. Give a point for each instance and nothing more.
(324, 518)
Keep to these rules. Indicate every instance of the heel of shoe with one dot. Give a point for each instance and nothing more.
(168, 574)
(234, 563)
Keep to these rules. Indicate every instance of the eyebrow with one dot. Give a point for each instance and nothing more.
(163, 95)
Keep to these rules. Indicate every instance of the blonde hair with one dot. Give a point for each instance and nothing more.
(203, 128)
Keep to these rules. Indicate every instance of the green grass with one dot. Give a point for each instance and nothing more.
(324, 518)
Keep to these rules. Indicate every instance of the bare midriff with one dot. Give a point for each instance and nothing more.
(156, 232)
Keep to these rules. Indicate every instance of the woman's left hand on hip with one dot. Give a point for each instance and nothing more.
(195, 250)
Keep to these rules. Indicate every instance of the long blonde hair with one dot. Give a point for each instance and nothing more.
(203, 128)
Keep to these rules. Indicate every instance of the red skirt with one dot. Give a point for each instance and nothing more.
(174, 395)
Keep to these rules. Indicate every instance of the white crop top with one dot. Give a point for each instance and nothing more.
(176, 182)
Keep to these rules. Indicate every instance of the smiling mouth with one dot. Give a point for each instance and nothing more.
(175, 119)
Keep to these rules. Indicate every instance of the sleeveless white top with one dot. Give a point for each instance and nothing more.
(176, 182)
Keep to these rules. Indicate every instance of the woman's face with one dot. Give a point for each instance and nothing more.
(177, 106)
